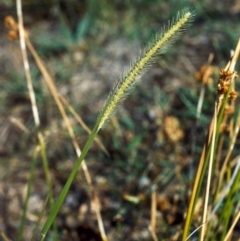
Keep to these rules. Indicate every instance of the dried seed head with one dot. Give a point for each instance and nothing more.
(172, 129)
(225, 74)
(224, 128)
(235, 75)
(223, 86)
(10, 23)
(204, 74)
(228, 75)
(13, 35)
(229, 110)
(13, 32)
(233, 95)
(226, 78)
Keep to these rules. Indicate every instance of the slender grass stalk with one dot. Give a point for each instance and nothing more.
(81, 122)
(40, 217)
(197, 184)
(228, 155)
(26, 64)
(236, 219)
(204, 219)
(29, 188)
(121, 89)
(227, 187)
(152, 226)
(4, 236)
(228, 206)
(66, 187)
(22, 38)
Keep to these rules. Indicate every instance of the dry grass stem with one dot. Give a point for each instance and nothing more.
(205, 210)
(204, 76)
(229, 233)
(26, 63)
(19, 124)
(152, 227)
(56, 97)
(5, 238)
(82, 123)
(97, 210)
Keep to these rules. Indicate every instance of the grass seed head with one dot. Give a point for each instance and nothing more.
(160, 44)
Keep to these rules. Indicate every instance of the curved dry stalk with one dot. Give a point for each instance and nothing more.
(82, 123)
(26, 64)
(4, 236)
(205, 210)
(57, 99)
(236, 219)
(152, 226)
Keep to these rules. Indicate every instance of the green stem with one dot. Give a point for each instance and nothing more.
(29, 188)
(63, 194)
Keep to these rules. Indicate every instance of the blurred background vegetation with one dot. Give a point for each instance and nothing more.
(86, 45)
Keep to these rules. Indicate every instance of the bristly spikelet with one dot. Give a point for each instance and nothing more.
(167, 36)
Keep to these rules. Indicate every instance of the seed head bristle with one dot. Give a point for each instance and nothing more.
(122, 87)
